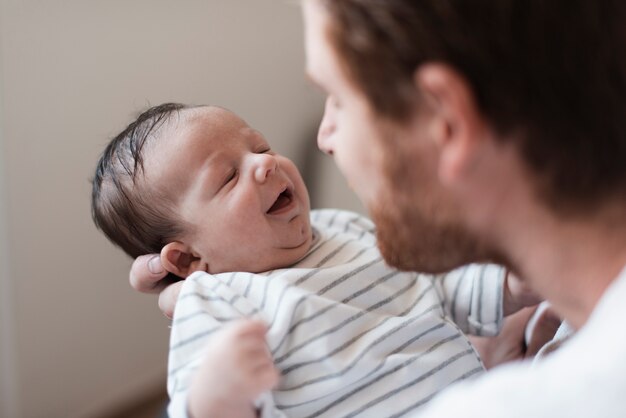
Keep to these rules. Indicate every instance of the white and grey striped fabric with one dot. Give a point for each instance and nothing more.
(351, 336)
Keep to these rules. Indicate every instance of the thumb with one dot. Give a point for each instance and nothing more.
(146, 274)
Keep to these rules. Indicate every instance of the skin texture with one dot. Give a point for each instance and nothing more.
(244, 207)
(483, 186)
(223, 178)
(510, 344)
(456, 177)
(370, 153)
(445, 180)
(226, 184)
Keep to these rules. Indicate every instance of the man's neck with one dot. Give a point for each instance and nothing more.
(570, 262)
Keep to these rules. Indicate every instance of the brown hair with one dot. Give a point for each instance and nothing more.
(550, 74)
(132, 215)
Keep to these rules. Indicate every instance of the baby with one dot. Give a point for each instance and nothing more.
(280, 290)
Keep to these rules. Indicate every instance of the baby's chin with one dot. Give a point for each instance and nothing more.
(288, 256)
(270, 259)
(296, 253)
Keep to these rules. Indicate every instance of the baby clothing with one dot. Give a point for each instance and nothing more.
(350, 335)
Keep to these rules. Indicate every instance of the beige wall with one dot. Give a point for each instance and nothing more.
(76, 340)
(8, 375)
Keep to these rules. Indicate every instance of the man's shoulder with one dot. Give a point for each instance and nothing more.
(585, 377)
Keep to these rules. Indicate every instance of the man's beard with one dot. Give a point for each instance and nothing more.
(413, 230)
(408, 240)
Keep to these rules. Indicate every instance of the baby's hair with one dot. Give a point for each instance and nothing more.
(131, 214)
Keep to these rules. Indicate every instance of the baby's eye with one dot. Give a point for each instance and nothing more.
(264, 150)
(231, 176)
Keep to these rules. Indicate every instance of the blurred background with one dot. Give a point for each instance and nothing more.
(75, 340)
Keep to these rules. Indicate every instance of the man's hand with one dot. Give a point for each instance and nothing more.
(147, 275)
(511, 344)
(236, 369)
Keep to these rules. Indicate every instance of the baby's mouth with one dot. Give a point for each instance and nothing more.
(282, 201)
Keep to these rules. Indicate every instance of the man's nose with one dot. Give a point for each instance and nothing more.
(324, 142)
(264, 166)
(326, 129)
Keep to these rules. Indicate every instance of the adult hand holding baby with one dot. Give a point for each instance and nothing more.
(147, 275)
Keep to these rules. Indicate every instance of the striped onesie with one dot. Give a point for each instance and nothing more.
(351, 336)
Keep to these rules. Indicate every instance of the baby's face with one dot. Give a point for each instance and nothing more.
(247, 207)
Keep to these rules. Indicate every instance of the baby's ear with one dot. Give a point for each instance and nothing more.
(179, 258)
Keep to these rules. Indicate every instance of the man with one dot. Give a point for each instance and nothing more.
(491, 130)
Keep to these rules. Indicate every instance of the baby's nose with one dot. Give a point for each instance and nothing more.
(265, 166)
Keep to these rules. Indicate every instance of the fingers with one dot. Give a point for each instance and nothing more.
(257, 358)
(146, 274)
(543, 331)
(237, 367)
(522, 335)
(517, 322)
(252, 327)
(508, 345)
(267, 377)
(518, 294)
(168, 298)
(242, 349)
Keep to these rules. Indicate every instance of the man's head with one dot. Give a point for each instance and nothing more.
(430, 95)
(203, 188)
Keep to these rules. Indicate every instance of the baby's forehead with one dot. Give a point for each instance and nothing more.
(215, 117)
(207, 127)
(216, 126)
(187, 141)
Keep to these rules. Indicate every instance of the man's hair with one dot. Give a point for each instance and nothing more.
(133, 215)
(548, 74)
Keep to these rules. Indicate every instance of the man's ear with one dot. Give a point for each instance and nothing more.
(179, 258)
(455, 122)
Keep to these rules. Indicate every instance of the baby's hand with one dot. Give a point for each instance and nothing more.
(517, 294)
(237, 368)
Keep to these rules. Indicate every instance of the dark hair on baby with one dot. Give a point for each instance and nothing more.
(132, 215)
